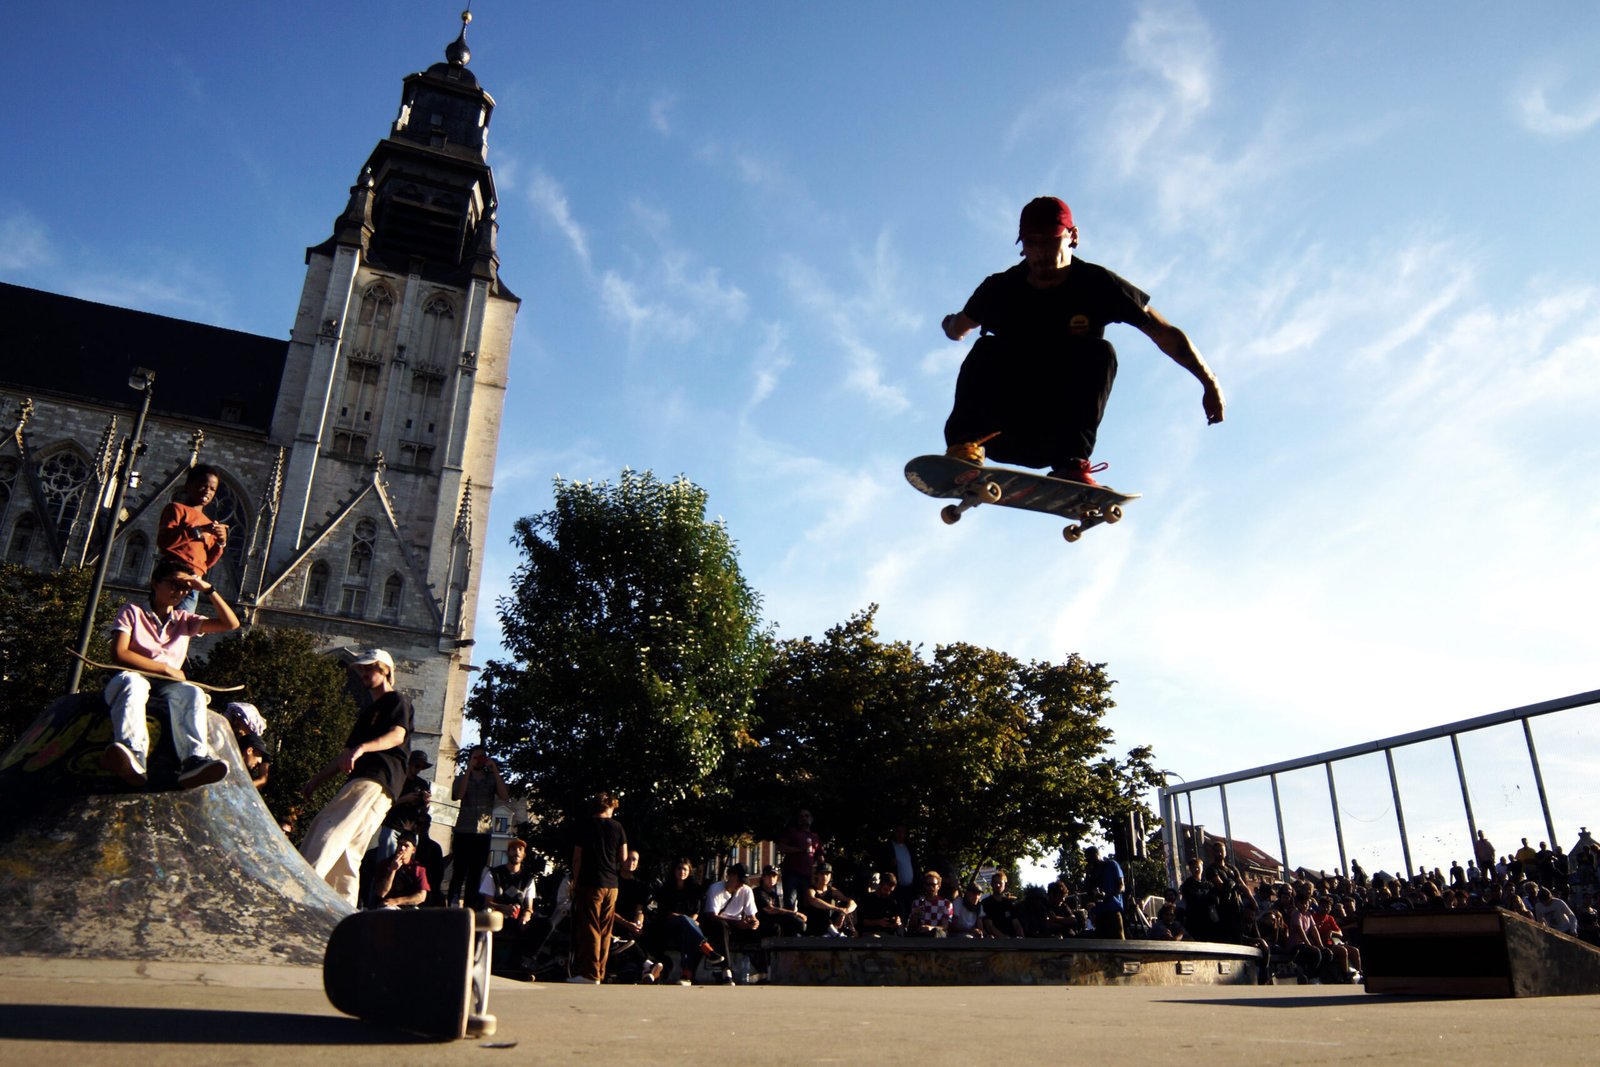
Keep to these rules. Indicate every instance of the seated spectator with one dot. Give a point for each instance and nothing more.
(508, 888)
(150, 639)
(1554, 913)
(678, 901)
(879, 913)
(827, 909)
(248, 727)
(1060, 917)
(1166, 926)
(1001, 915)
(627, 927)
(729, 916)
(401, 882)
(777, 919)
(1346, 958)
(931, 912)
(966, 913)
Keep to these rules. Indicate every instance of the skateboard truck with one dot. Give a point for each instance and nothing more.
(971, 497)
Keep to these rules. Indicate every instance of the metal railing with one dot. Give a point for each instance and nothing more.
(1170, 795)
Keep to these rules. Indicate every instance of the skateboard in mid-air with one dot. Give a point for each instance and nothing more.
(426, 971)
(956, 479)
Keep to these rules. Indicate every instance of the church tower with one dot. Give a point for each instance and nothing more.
(390, 406)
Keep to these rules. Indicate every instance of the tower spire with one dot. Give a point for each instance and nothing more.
(456, 53)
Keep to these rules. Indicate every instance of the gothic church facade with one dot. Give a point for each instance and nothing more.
(356, 461)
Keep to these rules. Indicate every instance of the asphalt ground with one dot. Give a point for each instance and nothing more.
(81, 1012)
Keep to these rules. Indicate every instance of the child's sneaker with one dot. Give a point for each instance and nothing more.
(199, 770)
(120, 760)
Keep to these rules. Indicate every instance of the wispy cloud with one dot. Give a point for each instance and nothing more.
(660, 111)
(24, 242)
(1535, 111)
(855, 311)
(771, 359)
(549, 199)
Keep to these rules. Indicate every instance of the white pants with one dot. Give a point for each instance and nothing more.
(338, 836)
(129, 695)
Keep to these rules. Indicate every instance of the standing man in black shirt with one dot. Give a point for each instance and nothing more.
(374, 757)
(597, 858)
(1037, 382)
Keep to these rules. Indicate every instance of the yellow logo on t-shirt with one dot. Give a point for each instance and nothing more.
(1078, 324)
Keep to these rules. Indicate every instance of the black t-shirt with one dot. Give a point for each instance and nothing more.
(633, 898)
(387, 768)
(876, 906)
(405, 816)
(680, 900)
(1000, 911)
(1078, 309)
(601, 841)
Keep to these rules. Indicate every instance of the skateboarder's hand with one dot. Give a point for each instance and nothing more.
(1213, 403)
(347, 759)
(176, 674)
(956, 325)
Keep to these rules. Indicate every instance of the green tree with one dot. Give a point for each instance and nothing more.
(303, 697)
(637, 649)
(1000, 758)
(39, 617)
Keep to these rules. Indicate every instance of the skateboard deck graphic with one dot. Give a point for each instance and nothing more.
(972, 484)
(426, 971)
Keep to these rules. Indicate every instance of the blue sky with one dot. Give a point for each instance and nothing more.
(735, 232)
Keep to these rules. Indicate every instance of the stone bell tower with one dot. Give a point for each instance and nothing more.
(391, 401)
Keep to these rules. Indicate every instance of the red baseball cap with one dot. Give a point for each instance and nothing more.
(1047, 215)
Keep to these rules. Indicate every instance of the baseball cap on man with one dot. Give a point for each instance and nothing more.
(1046, 215)
(376, 655)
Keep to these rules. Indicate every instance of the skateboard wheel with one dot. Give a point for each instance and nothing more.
(950, 514)
(1072, 533)
(1114, 513)
(991, 492)
(492, 921)
(481, 1025)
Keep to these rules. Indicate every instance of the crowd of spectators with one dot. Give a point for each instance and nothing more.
(1310, 924)
(684, 926)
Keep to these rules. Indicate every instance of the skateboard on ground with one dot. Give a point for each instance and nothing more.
(955, 479)
(426, 971)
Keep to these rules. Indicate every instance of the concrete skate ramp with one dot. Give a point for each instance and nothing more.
(1474, 952)
(92, 869)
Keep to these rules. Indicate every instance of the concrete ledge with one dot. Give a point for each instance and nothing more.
(919, 961)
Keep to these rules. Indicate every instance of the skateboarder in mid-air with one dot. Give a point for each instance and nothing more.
(1034, 387)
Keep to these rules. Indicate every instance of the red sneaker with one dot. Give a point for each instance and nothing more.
(1078, 470)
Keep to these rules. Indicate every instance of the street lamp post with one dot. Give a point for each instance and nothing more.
(142, 380)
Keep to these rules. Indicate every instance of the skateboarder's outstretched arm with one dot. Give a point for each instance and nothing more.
(957, 325)
(1176, 344)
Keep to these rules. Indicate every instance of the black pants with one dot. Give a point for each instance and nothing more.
(469, 854)
(1046, 408)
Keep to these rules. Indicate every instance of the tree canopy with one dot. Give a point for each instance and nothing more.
(39, 616)
(303, 697)
(999, 758)
(637, 650)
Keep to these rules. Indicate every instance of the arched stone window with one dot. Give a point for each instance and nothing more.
(63, 477)
(316, 595)
(135, 554)
(393, 587)
(23, 537)
(359, 570)
(436, 337)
